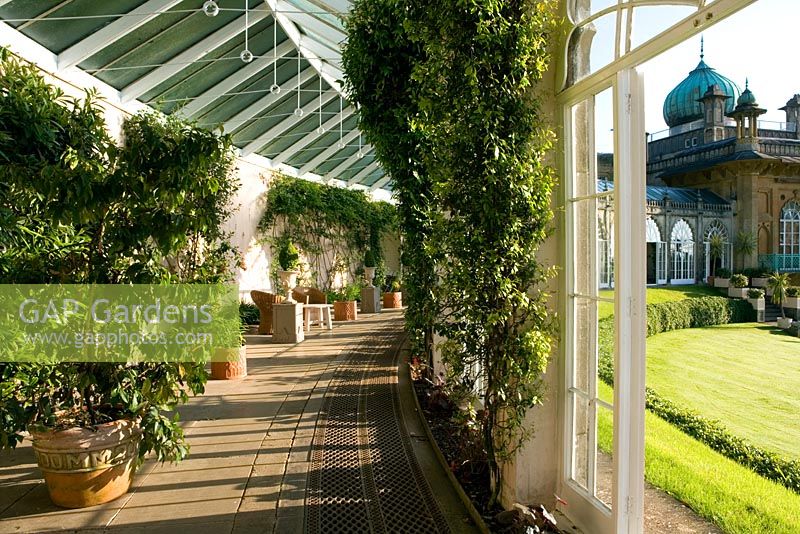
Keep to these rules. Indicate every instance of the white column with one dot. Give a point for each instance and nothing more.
(629, 307)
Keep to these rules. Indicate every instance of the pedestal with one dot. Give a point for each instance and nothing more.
(370, 300)
(287, 323)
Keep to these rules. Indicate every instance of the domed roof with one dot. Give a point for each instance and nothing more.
(682, 103)
(747, 98)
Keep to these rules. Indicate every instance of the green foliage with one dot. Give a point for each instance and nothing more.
(723, 273)
(755, 293)
(745, 243)
(288, 256)
(739, 281)
(716, 249)
(248, 313)
(369, 258)
(464, 102)
(696, 313)
(792, 291)
(333, 226)
(77, 208)
(379, 58)
(757, 272)
(765, 463)
(347, 293)
(778, 283)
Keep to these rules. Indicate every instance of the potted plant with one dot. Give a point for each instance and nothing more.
(89, 429)
(759, 277)
(228, 364)
(722, 278)
(755, 297)
(716, 248)
(792, 302)
(738, 286)
(289, 261)
(392, 297)
(779, 283)
(369, 266)
(345, 303)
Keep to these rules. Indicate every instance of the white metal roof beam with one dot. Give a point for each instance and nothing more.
(193, 53)
(329, 125)
(194, 107)
(335, 7)
(287, 124)
(366, 171)
(349, 162)
(380, 183)
(113, 32)
(326, 70)
(238, 120)
(318, 26)
(328, 152)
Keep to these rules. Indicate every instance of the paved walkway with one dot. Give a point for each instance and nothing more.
(260, 462)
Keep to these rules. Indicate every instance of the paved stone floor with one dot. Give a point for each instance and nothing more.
(251, 451)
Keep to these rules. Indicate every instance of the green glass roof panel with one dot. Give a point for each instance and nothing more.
(317, 12)
(322, 142)
(58, 35)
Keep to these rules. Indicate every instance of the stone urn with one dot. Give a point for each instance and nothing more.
(784, 322)
(345, 310)
(289, 281)
(229, 364)
(369, 274)
(88, 466)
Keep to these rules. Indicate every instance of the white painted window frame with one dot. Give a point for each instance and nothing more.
(627, 514)
(790, 228)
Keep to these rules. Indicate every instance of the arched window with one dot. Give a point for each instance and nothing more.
(790, 228)
(722, 261)
(682, 250)
(652, 233)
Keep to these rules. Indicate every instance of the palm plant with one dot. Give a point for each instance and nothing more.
(779, 283)
(716, 248)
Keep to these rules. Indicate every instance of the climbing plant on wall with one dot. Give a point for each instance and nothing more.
(466, 104)
(331, 226)
(378, 59)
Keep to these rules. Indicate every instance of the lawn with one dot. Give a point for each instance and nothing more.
(719, 489)
(660, 294)
(745, 375)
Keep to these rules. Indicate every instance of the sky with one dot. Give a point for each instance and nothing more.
(760, 43)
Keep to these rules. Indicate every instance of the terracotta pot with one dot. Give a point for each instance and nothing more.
(393, 299)
(345, 310)
(88, 466)
(230, 364)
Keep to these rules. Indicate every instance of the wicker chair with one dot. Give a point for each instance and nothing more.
(264, 301)
(309, 295)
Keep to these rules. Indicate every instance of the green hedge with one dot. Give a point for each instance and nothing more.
(712, 433)
(696, 313)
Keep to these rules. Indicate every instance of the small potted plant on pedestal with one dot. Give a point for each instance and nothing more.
(722, 278)
(792, 302)
(738, 287)
(755, 297)
(392, 297)
(369, 267)
(716, 248)
(779, 284)
(289, 261)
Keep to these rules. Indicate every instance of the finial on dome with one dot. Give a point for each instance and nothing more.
(702, 47)
(746, 83)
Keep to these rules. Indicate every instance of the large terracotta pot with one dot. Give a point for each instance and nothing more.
(88, 466)
(345, 310)
(393, 299)
(230, 364)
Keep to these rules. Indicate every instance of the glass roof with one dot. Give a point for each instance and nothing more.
(284, 103)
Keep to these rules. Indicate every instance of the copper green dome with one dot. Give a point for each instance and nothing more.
(747, 98)
(682, 103)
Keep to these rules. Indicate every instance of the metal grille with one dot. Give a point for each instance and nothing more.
(364, 476)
